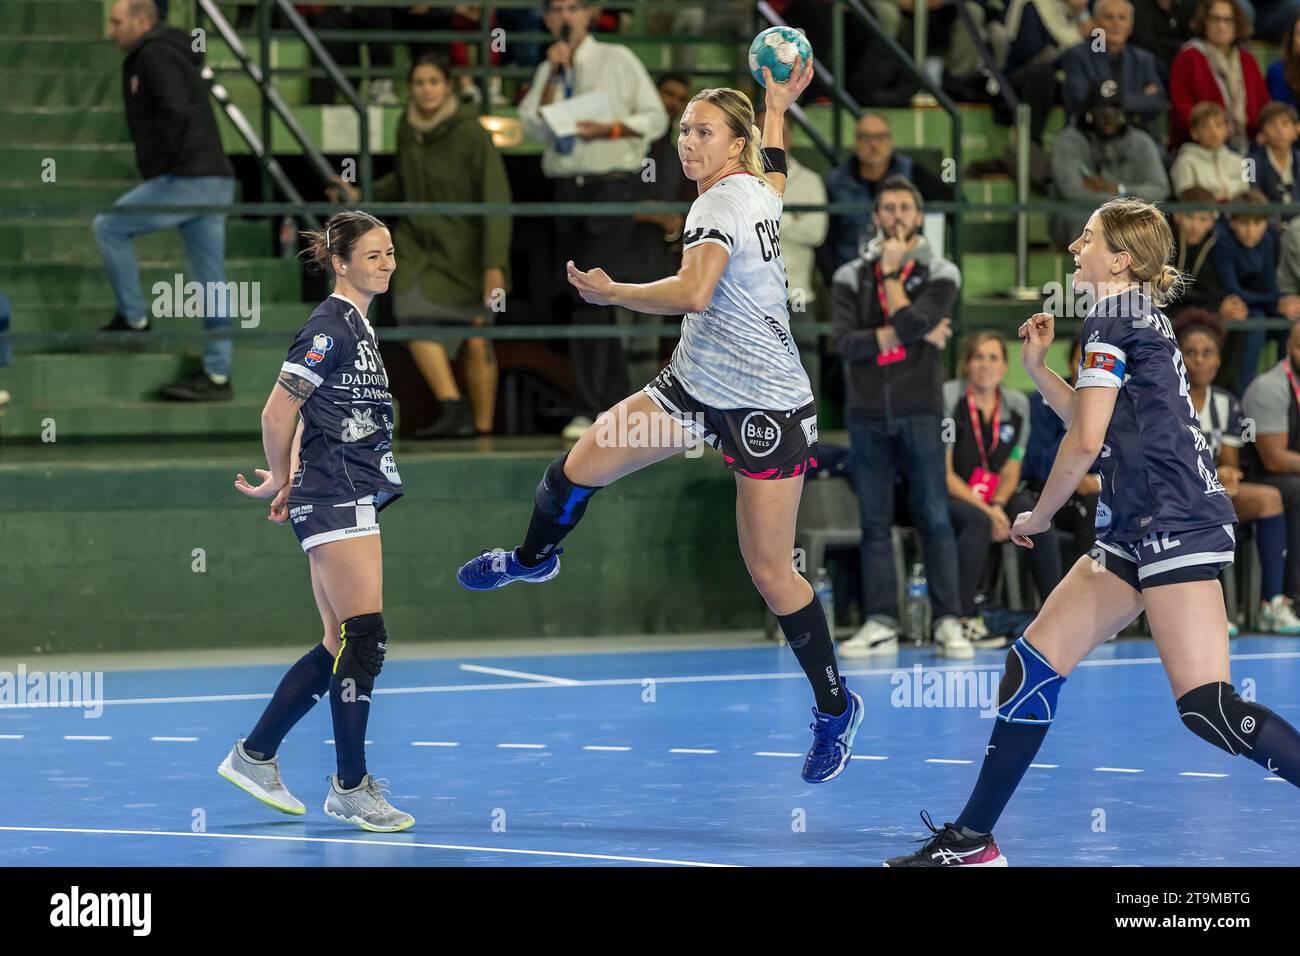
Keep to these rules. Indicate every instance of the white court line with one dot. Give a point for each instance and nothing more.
(174, 739)
(85, 737)
(11, 736)
(690, 750)
(1274, 780)
(771, 753)
(368, 743)
(522, 746)
(501, 672)
(866, 757)
(1115, 770)
(434, 743)
(1193, 773)
(1045, 766)
(594, 747)
(354, 842)
(640, 681)
(943, 760)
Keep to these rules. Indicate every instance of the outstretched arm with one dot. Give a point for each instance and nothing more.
(690, 290)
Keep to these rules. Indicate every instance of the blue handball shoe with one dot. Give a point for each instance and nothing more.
(497, 568)
(832, 740)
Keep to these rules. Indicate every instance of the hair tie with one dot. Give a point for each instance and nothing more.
(327, 237)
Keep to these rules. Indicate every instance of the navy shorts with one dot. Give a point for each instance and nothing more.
(316, 524)
(1169, 557)
(755, 442)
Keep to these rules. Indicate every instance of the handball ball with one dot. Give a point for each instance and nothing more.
(779, 49)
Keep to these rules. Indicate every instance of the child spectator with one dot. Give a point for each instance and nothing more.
(1207, 161)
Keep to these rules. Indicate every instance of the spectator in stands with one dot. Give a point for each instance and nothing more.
(801, 234)
(347, 53)
(179, 155)
(1041, 31)
(947, 34)
(858, 178)
(1215, 65)
(453, 267)
(1078, 516)
(601, 163)
(1135, 71)
(1162, 27)
(1219, 414)
(1206, 161)
(1246, 259)
(1274, 457)
(1194, 239)
(991, 428)
(890, 308)
(1099, 156)
(6, 353)
(1288, 266)
(1273, 18)
(1275, 155)
(1283, 76)
(657, 236)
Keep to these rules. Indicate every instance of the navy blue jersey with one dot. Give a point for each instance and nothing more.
(1157, 474)
(347, 435)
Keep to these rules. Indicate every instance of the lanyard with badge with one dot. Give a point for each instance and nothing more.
(898, 352)
(983, 481)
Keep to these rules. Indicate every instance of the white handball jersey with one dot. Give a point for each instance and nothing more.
(738, 352)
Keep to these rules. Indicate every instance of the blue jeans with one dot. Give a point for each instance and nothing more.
(204, 238)
(879, 448)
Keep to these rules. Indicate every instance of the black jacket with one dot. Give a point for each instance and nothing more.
(167, 108)
(912, 386)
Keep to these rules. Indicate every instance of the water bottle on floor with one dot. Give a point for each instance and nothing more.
(825, 592)
(917, 612)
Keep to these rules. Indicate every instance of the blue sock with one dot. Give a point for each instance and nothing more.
(350, 718)
(1027, 707)
(302, 685)
(1270, 540)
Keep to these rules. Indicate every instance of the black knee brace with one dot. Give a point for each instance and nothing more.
(1216, 713)
(362, 655)
(560, 500)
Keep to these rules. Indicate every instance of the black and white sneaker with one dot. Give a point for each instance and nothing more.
(196, 388)
(949, 848)
(120, 324)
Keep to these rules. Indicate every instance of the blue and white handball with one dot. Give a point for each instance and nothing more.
(779, 49)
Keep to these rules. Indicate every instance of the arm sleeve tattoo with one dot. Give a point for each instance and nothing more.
(299, 388)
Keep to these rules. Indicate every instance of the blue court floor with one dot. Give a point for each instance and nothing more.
(677, 757)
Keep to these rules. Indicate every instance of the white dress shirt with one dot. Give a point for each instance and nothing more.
(632, 97)
(802, 232)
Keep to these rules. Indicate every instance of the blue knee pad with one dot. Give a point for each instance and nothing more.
(559, 499)
(1027, 694)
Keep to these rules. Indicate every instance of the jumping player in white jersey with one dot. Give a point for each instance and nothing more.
(735, 382)
(1164, 530)
(327, 430)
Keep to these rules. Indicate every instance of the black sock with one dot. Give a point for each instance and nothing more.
(302, 685)
(350, 717)
(558, 506)
(1011, 750)
(809, 636)
(1277, 748)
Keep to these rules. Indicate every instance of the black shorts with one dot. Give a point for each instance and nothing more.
(1171, 557)
(757, 443)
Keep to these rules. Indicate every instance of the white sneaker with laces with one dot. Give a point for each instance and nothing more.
(1277, 616)
(977, 632)
(261, 779)
(874, 637)
(950, 641)
(576, 428)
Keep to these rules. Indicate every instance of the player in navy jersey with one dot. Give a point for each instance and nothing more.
(735, 382)
(327, 430)
(1164, 530)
